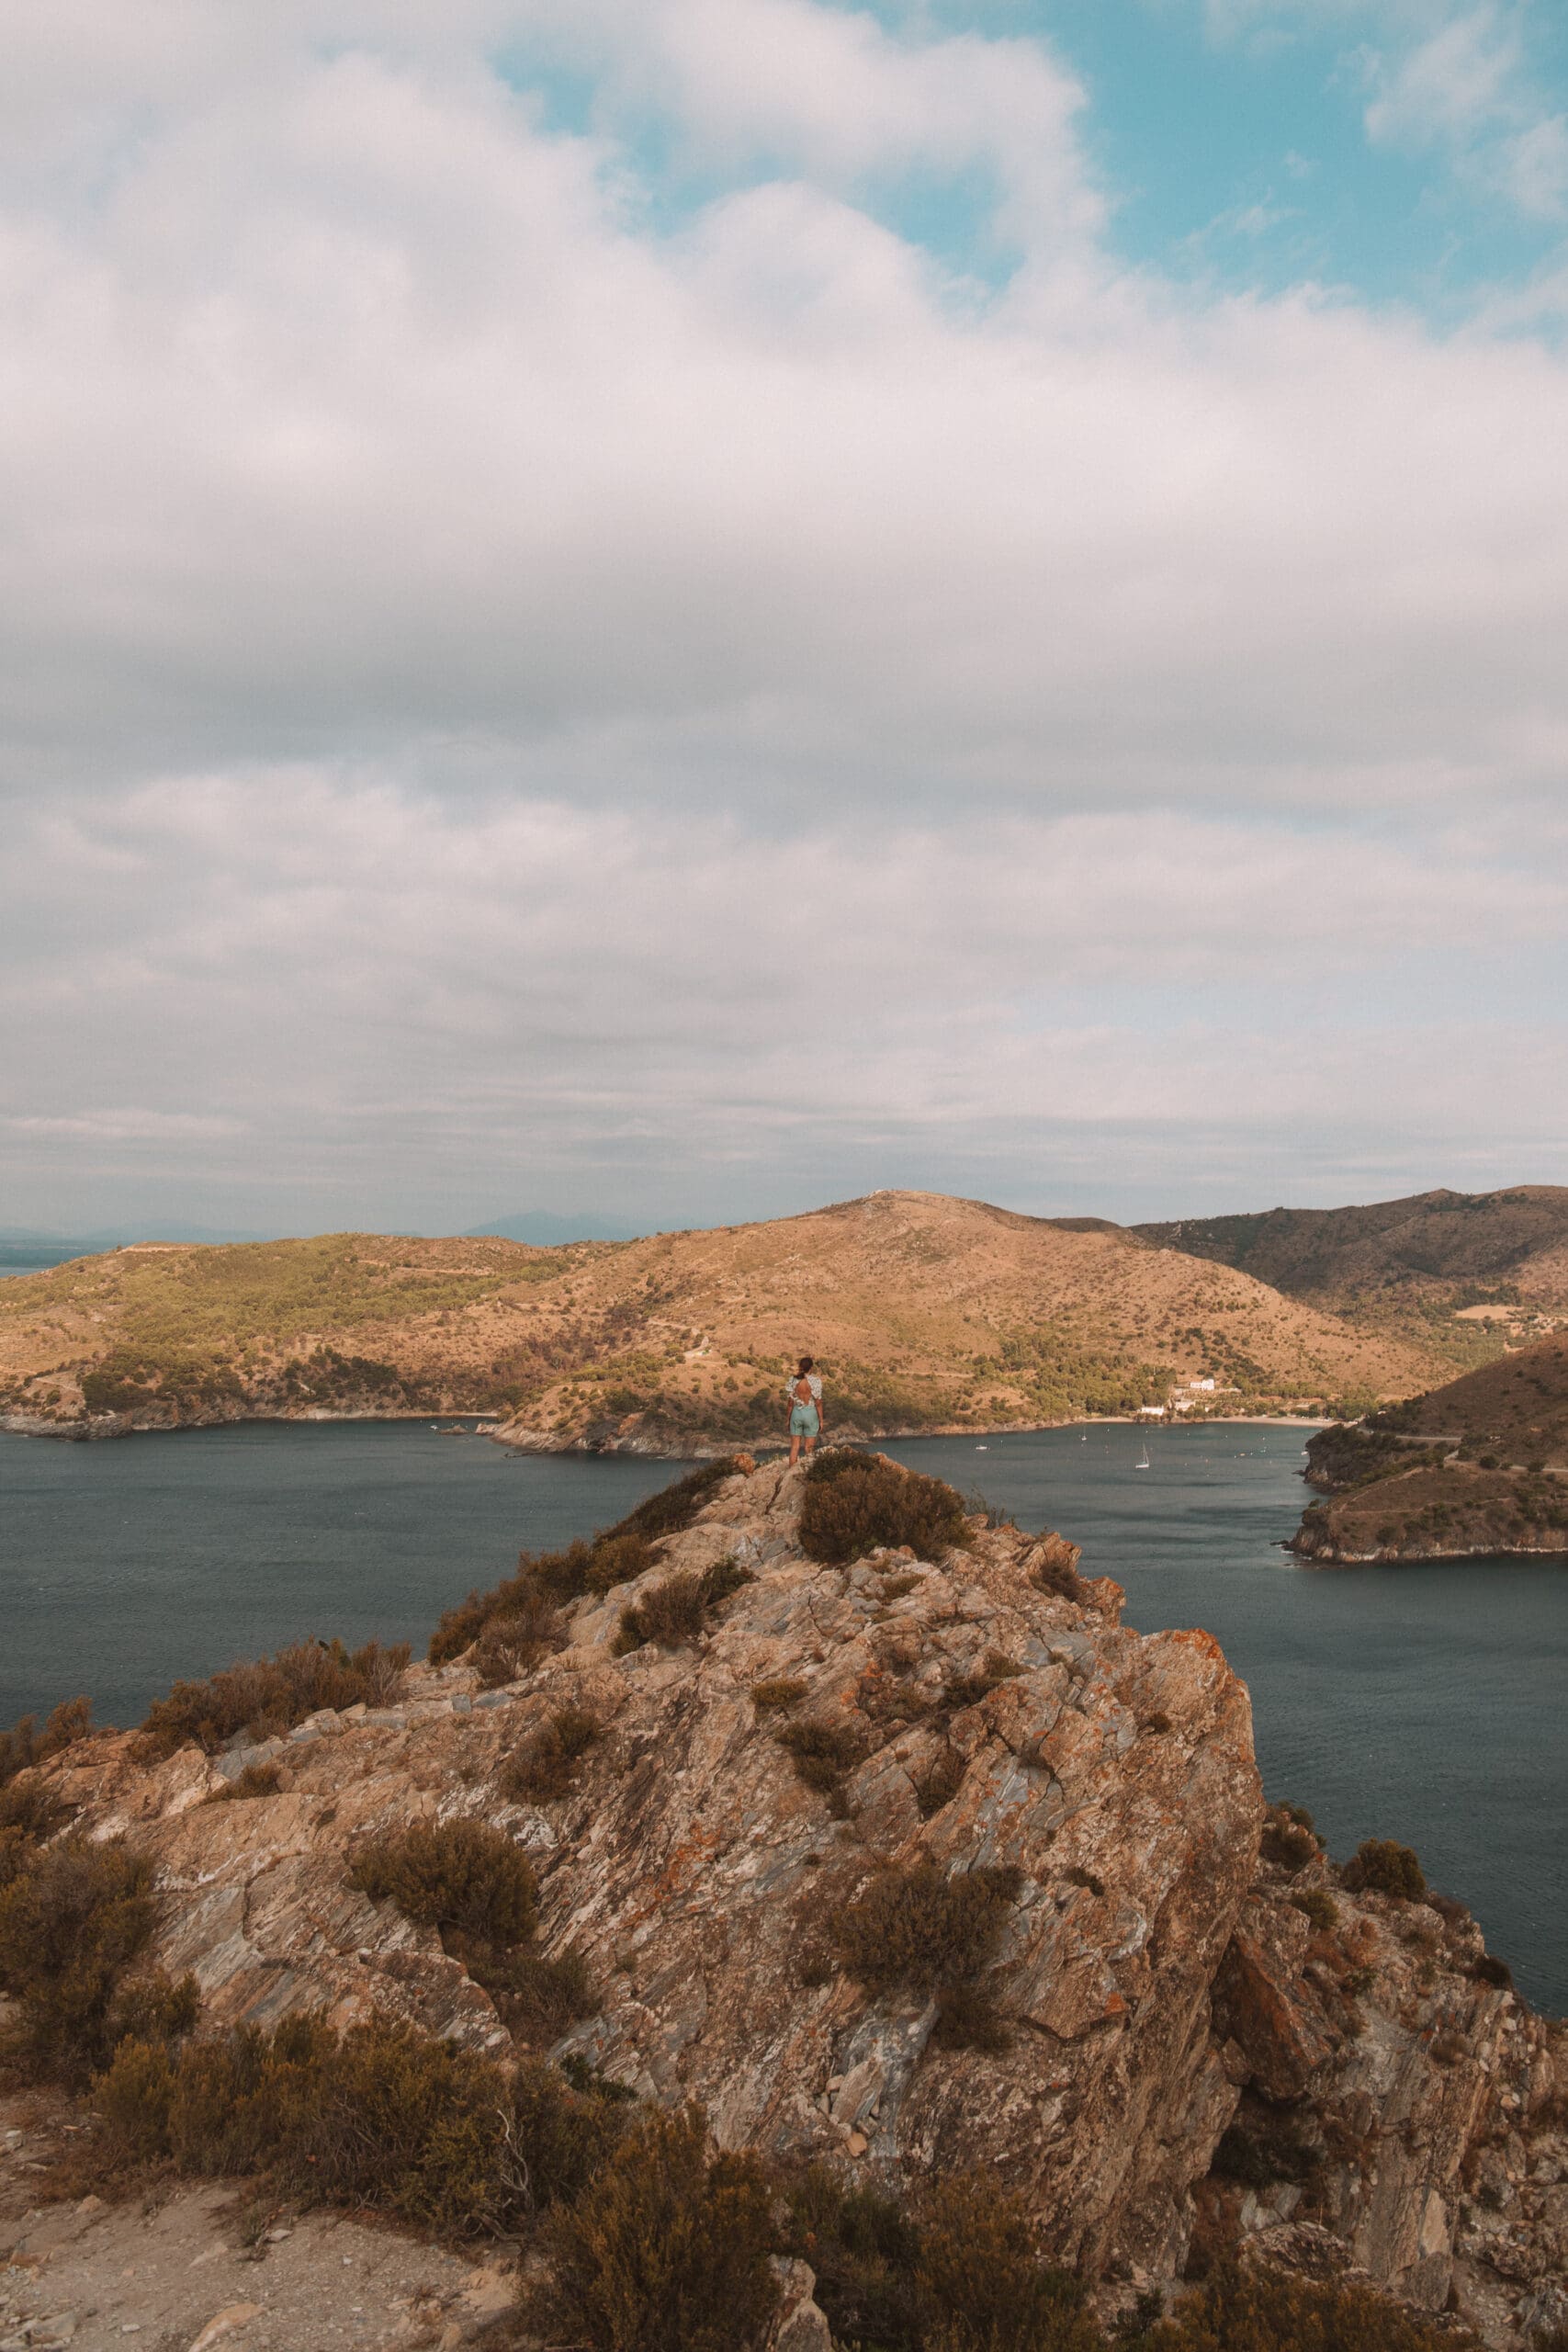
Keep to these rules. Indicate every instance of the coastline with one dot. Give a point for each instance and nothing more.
(99, 1428)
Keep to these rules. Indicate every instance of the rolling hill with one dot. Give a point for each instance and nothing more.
(928, 1313)
(1458, 1272)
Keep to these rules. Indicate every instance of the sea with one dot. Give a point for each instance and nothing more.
(1424, 1704)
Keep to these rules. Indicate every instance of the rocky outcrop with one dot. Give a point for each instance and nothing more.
(1153, 1994)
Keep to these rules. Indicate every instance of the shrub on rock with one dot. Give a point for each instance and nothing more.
(856, 1503)
(667, 2250)
(453, 1874)
(1380, 1866)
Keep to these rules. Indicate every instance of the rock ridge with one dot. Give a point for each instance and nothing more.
(1174, 2057)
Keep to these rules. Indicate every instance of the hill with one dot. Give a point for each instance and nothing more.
(928, 1313)
(1477, 1466)
(1459, 1272)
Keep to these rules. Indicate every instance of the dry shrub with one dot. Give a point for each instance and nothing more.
(968, 1689)
(1288, 1837)
(981, 2282)
(670, 1614)
(24, 1744)
(1267, 2311)
(617, 1559)
(824, 1755)
(941, 1782)
(1380, 1866)
(863, 2247)
(270, 1695)
(1057, 1571)
(917, 1927)
(538, 1998)
(461, 1875)
(856, 1503)
(667, 2250)
(1490, 1970)
(513, 1645)
(675, 1508)
(550, 1579)
(30, 1806)
(1316, 1906)
(545, 1763)
(778, 1692)
(675, 1612)
(378, 2117)
(256, 1781)
(73, 1919)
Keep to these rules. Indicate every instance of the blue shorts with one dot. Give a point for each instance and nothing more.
(803, 1421)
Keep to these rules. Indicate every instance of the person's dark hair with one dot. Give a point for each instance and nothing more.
(805, 1364)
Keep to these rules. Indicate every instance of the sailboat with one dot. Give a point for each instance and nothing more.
(1142, 1462)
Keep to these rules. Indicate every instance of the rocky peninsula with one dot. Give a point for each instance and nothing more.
(873, 1830)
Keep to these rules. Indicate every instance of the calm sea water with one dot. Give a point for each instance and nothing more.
(1420, 1703)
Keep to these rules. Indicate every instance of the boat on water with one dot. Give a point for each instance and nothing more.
(1142, 1462)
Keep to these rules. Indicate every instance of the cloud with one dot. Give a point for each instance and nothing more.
(380, 997)
(590, 655)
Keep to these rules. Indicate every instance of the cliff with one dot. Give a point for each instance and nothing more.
(927, 1314)
(915, 1862)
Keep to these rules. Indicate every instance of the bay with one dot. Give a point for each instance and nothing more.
(1422, 1704)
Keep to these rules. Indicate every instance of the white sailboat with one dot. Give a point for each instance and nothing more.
(1142, 1462)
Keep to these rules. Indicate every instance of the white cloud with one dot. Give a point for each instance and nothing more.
(503, 677)
(353, 981)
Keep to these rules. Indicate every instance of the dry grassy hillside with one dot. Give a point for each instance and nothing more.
(1460, 1273)
(926, 1312)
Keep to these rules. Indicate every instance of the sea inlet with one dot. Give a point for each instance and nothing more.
(1420, 1703)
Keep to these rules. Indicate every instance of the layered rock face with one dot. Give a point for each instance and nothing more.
(1151, 1974)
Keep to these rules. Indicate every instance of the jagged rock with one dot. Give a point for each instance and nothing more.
(1151, 1972)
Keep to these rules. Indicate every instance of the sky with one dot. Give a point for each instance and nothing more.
(678, 609)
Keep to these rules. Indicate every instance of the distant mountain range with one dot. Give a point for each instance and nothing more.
(547, 1231)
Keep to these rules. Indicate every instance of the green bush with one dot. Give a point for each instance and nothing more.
(462, 1875)
(1378, 1866)
(73, 1919)
(374, 2118)
(1287, 1840)
(855, 1503)
(667, 2250)
(1316, 1906)
(546, 1762)
(270, 1695)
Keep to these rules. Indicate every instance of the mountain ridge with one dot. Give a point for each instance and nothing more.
(928, 1313)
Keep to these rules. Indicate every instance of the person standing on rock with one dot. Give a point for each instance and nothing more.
(805, 1411)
